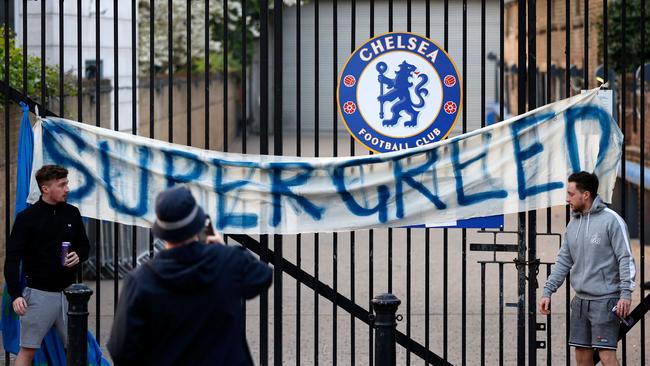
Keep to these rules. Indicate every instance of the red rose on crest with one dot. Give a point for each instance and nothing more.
(450, 107)
(349, 107)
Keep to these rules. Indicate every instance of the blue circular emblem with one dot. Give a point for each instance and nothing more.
(399, 90)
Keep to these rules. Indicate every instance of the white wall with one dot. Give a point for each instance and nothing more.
(108, 16)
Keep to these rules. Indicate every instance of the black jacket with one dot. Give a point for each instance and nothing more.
(36, 239)
(185, 307)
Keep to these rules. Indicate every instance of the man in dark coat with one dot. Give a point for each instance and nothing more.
(36, 241)
(185, 306)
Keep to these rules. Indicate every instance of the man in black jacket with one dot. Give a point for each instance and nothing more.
(185, 306)
(36, 240)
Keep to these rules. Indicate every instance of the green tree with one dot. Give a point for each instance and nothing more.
(215, 26)
(629, 57)
(33, 71)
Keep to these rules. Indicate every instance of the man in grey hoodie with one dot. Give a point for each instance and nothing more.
(596, 249)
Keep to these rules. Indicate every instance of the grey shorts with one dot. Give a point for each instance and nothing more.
(593, 325)
(44, 310)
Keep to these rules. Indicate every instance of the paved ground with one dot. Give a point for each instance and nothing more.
(306, 340)
(304, 311)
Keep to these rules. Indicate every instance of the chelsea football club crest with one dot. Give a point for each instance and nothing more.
(399, 90)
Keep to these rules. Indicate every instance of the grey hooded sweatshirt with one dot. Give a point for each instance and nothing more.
(596, 249)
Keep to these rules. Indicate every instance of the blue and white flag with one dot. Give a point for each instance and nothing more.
(517, 165)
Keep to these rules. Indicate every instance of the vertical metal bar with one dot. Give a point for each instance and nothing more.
(642, 180)
(501, 305)
(189, 73)
(549, 6)
(152, 8)
(298, 153)
(605, 41)
(335, 145)
(152, 55)
(501, 60)
(567, 52)
(244, 105)
(225, 75)
(521, 227)
(264, 149)
(24, 19)
(316, 154)
(277, 150)
(7, 140)
(316, 259)
(244, 108)
(390, 229)
(567, 94)
(623, 155)
(427, 271)
(463, 303)
(353, 26)
(98, 223)
(532, 215)
(206, 76)
(585, 64)
(116, 105)
(445, 231)
(483, 63)
(371, 234)
(61, 73)
(44, 102)
(408, 293)
(80, 91)
(482, 314)
(134, 114)
(427, 231)
(170, 70)
(445, 292)
(549, 354)
(408, 238)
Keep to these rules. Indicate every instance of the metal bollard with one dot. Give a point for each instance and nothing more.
(78, 295)
(385, 306)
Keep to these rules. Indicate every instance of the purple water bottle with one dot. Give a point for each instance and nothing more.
(65, 247)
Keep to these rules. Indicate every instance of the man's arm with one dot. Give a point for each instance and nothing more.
(623, 252)
(256, 276)
(126, 342)
(15, 252)
(81, 245)
(562, 266)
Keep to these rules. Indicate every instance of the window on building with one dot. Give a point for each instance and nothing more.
(92, 68)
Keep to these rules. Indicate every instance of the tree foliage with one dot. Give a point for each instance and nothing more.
(215, 26)
(628, 55)
(33, 71)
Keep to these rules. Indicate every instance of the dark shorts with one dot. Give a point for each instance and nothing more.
(593, 325)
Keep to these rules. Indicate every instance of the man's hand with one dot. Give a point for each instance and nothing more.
(214, 239)
(20, 306)
(545, 305)
(71, 260)
(623, 307)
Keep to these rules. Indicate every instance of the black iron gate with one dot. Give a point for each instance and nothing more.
(275, 67)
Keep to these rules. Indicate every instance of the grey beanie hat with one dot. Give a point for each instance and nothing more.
(178, 216)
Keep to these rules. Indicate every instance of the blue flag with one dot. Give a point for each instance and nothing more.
(52, 351)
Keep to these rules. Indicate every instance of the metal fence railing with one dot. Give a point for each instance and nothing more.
(278, 64)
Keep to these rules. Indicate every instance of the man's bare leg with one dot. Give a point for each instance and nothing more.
(25, 356)
(584, 356)
(608, 357)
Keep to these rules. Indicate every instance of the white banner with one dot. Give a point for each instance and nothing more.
(516, 165)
